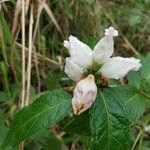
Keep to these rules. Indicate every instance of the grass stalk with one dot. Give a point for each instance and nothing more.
(23, 54)
(29, 58)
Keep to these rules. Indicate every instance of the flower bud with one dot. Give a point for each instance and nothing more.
(84, 95)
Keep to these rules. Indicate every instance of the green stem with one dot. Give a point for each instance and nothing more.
(136, 140)
(145, 95)
(141, 139)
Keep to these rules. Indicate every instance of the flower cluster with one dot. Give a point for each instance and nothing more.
(82, 59)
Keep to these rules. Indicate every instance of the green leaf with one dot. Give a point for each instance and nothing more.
(54, 82)
(145, 73)
(46, 140)
(134, 19)
(79, 125)
(6, 31)
(90, 2)
(90, 41)
(46, 110)
(109, 123)
(136, 102)
(135, 16)
(3, 96)
(4, 70)
(134, 79)
(3, 131)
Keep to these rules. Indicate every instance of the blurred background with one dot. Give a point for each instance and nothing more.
(32, 55)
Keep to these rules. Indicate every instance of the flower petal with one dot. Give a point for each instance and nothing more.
(118, 67)
(111, 32)
(73, 70)
(66, 44)
(84, 95)
(79, 52)
(105, 47)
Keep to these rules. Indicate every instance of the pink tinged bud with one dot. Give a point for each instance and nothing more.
(84, 95)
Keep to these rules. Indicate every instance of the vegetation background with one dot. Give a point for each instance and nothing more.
(32, 55)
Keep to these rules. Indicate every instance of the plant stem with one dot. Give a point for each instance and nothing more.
(29, 57)
(23, 54)
(137, 139)
(21, 145)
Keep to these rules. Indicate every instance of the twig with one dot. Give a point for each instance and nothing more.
(23, 54)
(27, 2)
(4, 6)
(51, 15)
(29, 58)
(17, 12)
(3, 46)
(131, 46)
(21, 145)
(145, 95)
(39, 55)
(37, 70)
(141, 140)
(2, 1)
(40, 8)
(12, 54)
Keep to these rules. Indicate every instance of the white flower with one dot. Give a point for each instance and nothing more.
(73, 70)
(84, 95)
(82, 59)
(118, 67)
(147, 128)
(111, 32)
(79, 52)
(105, 47)
(111, 68)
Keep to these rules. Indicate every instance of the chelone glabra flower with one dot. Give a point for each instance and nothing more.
(83, 59)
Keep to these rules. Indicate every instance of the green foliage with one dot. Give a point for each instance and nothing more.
(109, 123)
(44, 139)
(3, 131)
(90, 2)
(79, 125)
(134, 79)
(54, 82)
(48, 109)
(6, 31)
(3, 96)
(135, 101)
(119, 111)
(145, 73)
(135, 16)
(3, 69)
